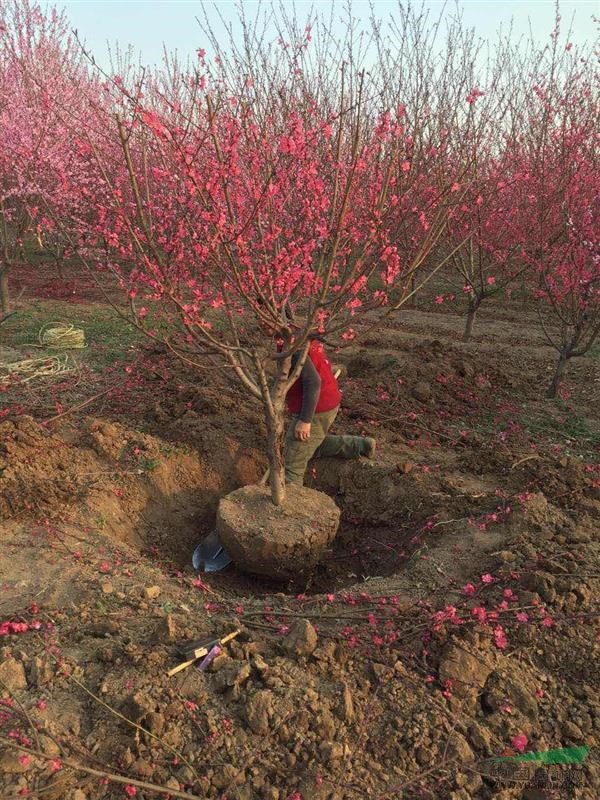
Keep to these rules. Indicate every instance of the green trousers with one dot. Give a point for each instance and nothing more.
(319, 445)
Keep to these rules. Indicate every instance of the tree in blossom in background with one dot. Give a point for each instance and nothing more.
(560, 209)
(489, 261)
(41, 71)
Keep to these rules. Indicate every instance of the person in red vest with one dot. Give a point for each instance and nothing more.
(314, 401)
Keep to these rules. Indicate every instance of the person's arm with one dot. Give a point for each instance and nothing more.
(311, 389)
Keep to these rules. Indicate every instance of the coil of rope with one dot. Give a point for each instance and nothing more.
(30, 368)
(61, 336)
(52, 335)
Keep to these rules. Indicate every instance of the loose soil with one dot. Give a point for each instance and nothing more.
(455, 610)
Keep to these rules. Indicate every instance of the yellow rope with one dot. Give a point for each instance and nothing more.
(60, 335)
(30, 368)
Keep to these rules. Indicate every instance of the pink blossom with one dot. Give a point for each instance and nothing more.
(487, 578)
(519, 742)
(439, 299)
(500, 639)
(468, 590)
(130, 791)
(479, 613)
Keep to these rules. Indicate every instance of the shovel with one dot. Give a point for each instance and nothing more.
(210, 555)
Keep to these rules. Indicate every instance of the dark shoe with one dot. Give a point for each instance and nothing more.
(369, 447)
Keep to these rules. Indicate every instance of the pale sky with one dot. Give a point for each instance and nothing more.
(147, 24)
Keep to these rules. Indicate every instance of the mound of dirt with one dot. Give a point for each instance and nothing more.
(130, 485)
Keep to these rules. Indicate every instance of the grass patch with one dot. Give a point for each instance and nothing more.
(564, 427)
(109, 338)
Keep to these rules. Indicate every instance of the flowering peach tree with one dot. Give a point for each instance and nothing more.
(559, 219)
(41, 72)
(229, 216)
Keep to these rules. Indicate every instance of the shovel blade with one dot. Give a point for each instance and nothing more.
(210, 556)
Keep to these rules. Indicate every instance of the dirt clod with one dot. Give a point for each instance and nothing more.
(12, 674)
(301, 639)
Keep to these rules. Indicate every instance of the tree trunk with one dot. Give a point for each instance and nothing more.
(275, 456)
(524, 296)
(412, 303)
(560, 368)
(4, 296)
(471, 314)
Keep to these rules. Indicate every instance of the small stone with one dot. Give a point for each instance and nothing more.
(49, 746)
(259, 709)
(481, 738)
(166, 629)
(142, 769)
(543, 583)
(572, 731)
(424, 756)
(12, 763)
(233, 674)
(137, 706)
(422, 391)
(185, 775)
(301, 639)
(331, 751)
(154, 722)
(259, 664)
(458, 749)
(219, 662)
(347, 711)
(40, 672)
(380, 670)
(107, 587)
(78, 794)
(12, 674)
(224, 776)
(151, 592)
(466, 670)
(507, 557)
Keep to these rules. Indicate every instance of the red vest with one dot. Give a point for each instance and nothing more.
(330, 396)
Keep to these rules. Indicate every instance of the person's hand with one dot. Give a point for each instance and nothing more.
(302, 431)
